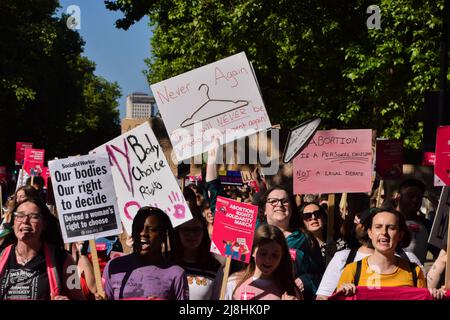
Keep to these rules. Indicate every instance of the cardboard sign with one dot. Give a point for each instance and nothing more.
(298, 137)
(85, 197)
(142, 176)
(335, 161)
(231, 178)
(22, 178)
(389, 159)
(20, 151)
(442, 162)
(33, 161)
(440, 223)
(234, 225)
(219, 100)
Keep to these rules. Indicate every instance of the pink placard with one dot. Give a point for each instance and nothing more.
(33, 160)
(45, 175)
(389, 164)
(428, 158)
(2, 173)
(442, 161)
(234, 225)
(335, 161)
(20, 151)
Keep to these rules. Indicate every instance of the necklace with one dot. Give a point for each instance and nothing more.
(24, 260)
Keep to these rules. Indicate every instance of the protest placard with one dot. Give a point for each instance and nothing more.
(85, 197)
(230, 177)
(33, 161)
(21, 178)
(142, 176)
(335, 161)
(442, 157)
(389, 159)
(219, 100)
(298, 137)
(428, 158)
(20, 151)
(439, 229)
(2, 174)
(45, 174)
(234, 225)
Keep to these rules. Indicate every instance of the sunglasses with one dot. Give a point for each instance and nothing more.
(309, 215)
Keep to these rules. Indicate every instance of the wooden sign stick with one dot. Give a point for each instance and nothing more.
(380, 189)
(447, 265)
(226, 271)
(96, 265)
(330, 226)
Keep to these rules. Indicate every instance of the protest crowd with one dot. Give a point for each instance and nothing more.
(117, 225)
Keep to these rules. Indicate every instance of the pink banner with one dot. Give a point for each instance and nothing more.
(33, 162)
(20, 151)
(234, 225)
(389, 159)
(442, 161)
(388, 293)
(335, 161)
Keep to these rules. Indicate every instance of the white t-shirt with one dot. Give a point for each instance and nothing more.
(330, 278)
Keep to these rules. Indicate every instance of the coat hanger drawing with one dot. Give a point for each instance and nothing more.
(203, 113)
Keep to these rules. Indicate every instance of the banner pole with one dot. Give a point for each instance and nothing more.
(1, 201)
(380, 189)
(226, 271)
(96, 265)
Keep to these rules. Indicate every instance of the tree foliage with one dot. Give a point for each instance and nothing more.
(311, 57)
(49, 94)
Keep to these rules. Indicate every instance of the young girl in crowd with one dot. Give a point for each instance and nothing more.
(149, 271)
(192, 252)
(277, 208)
(269, 276)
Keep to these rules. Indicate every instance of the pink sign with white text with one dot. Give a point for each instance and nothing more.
(442, 160)
(20, 151)
(335, 161)
(33, 162)
(234, 226)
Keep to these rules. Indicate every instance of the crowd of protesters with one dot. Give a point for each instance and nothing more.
(293, 257)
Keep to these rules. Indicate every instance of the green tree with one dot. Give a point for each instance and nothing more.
(311, 57)
(49, 93)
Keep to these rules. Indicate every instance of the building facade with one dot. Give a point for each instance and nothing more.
(141, 105)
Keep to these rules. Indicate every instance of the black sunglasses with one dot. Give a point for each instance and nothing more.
(308, 215)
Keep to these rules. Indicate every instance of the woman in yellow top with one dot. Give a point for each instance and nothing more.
(387, 230)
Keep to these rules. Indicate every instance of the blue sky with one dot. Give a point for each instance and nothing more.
(119, 54)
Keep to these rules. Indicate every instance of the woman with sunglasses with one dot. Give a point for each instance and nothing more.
(277, 208)
(192, 252)
(314, 224)
(34, 265)
(148, 272)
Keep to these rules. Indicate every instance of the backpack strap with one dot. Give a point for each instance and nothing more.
(52, 270)
(358, 272)
(351, 256)
(4, 255)
(412, 265)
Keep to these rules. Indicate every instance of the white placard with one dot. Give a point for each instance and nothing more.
(85, 197)
(219, 100)
(440, 225)
(298, 137)
(142, 176)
